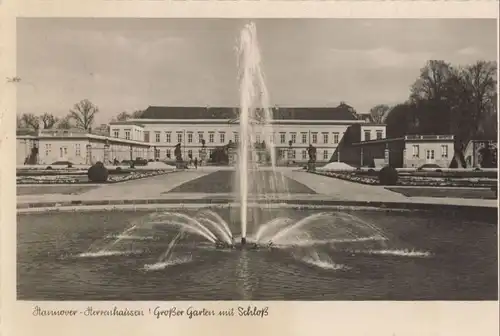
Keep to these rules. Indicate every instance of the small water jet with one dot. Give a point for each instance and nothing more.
(167, 259)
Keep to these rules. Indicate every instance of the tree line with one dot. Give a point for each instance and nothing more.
(81, 116)
(447, 99)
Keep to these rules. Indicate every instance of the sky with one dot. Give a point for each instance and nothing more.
(129, 64)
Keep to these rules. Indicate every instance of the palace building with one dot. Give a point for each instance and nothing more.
(163, 127)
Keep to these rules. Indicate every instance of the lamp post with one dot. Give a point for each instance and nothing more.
(89, 154)
(290, 149)
(106, 152)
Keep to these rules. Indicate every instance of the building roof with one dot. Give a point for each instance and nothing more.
(26, 131)
(126, 122)
(280, 113)
(409, 138)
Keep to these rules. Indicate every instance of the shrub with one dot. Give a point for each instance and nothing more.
(70, 165)
(388, 176)
(49, 168)
(439, 171)
(118, 169)
(98, 173)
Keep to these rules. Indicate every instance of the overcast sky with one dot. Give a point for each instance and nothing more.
(128, 64)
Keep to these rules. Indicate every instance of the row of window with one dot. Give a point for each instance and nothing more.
(379, 135)
(294, 137)
(128, 132)
(429, 154)
(282, 154)
(305, 137)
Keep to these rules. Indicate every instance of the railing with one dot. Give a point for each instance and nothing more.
(429, 137)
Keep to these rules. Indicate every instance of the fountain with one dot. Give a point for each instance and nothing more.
(255, 119)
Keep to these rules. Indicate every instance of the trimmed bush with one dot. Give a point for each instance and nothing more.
(439, 171)
(48, 168)
(388, 176)
(98, 173)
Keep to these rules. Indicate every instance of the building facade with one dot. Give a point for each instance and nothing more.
(410, 151)
(472, 153)
(78, 147)
(197, 129)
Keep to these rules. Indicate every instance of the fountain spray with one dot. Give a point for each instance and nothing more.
(255, 116)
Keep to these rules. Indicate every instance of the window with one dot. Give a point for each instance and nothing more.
(282, 137)
(367, 135)
(304, 137)
(379, 134)
(222, 137)
(179, 136)
(325, 154)
(281, 153)
(271, 138)
(190, 137)
(257, 138)
(77, 150)
(292, 154)
(315, 138)
(236, 137)
(190, 153)
(336, 138)
(416, 151)
(293, 137)
(199, 153)
(157, 153)
(157, 136)
(430, 154)
(444, 151)
(127, 134)
(116, 133)
(168, 137)
(200, 136)
(48, 149)
(146, 136)
(211, 137)
(304, 154)
(168, 153)
(325, 138)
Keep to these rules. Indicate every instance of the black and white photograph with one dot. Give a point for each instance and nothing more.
(196, 159)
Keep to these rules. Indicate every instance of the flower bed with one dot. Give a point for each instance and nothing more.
(413, 180)
(83, 179)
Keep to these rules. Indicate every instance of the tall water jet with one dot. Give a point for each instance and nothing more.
(255, 119)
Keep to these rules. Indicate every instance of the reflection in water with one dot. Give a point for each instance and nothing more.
(244, 280)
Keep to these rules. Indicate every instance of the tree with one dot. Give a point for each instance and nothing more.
(378, 113)
(137, 114)
(122, 116)
(433, 82)
(64, 123)
(48, 120)
(83, 113)
(479, 85)
(402, 120)
(29, 120)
